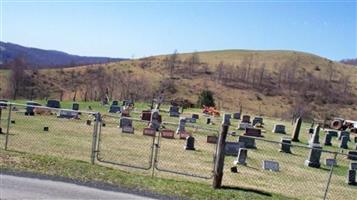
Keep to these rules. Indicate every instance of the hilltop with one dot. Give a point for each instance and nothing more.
(39, 58)
(273, 83)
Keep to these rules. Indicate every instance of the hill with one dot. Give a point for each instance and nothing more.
(273, 83)
(352, 61)
(39, 58)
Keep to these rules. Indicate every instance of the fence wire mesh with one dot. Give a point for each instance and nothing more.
(294, 174)
(47, 131)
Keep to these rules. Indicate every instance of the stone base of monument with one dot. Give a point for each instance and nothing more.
(312, 164)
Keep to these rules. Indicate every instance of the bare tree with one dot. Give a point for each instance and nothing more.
(17, 76)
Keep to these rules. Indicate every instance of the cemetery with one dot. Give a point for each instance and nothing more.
(187, 147)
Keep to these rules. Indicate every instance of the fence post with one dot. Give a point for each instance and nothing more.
(219, 161)
(329, 178)
(8, 126)
(94, 140)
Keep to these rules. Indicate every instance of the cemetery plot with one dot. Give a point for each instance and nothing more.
(191, 157)
(287, 174)
(119, 147)
(68, 138)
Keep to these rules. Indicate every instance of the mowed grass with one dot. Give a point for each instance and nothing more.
(72, 139)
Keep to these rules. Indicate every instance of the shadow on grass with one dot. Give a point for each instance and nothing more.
(246, 190)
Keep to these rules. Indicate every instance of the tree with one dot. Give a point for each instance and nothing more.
(17, 76)
(206, 98)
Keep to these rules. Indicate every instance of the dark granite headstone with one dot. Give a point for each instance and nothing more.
(182, 125)
(125, 122)
(343, 133)
(236, 115)
(195, 116)
(344, 142)
(254, 132)
(248, 142)
(208, 121)
(351, 177)
(174, 111)
(227, 119)
(257, 120)
(279, 128)
(146, 115)
(353, 166)
(246, 118)
(328, 139)
(314, 157)
(190, 143)
(127, 129)
(296, 130)
(75, 106)
(45, 128)
(232, 148)
(285, 145)
(333, 133)
(242, 157)
(352, 155)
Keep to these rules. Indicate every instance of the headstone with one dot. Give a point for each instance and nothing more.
(247, 141)
(236, 115)
(149, 132)
(195, 116)
(355, 139)
(170, 134)
(212, 139)
(227, 119)
(351, 177)
(68, 114)
(190, 143)
(246, 119)
(208, 121)
(114, 109)
(315, 137)
(343, 133)
(353, 166)
(174, 111)
(333, 133)
(183, 135)
(279, 128)
(296, 130)
(257, 120)
(242, 157)
(285, 145)
(127, 129)
(115, 103)
(352, 155)
(146, 115)
(314, 157)
(328, 139)
(75, 106)
(13, 122)
(125, 122)
(244, 125)
(155, 121)
(182, 125)
(310, 131)
(191, 120)
(45, 128)
(271, 165)
(232, 148)
(344, 142)
(330, 162)
(255, 132)
(88, 122)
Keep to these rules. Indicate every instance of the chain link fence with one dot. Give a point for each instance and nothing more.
(289, 169)
(49, 131)
(293, 170)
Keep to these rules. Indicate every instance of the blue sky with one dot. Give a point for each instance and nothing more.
(142, 28)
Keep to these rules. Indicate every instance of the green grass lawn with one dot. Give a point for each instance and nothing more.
(72, 139)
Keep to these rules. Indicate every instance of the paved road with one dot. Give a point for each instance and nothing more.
(14, 187)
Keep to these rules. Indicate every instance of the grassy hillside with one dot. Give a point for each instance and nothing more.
(264, 89)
